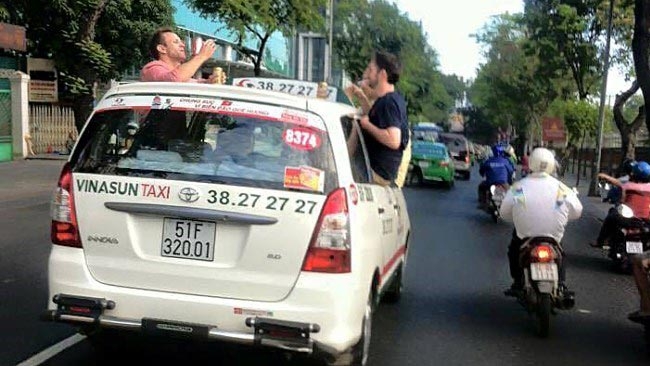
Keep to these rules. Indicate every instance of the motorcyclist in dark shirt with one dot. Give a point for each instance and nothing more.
(496, 170)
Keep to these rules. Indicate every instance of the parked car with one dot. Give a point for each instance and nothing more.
(233, 214)
(430, 161)
(459, 149)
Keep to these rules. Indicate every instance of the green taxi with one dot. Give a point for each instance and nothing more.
(430, 161)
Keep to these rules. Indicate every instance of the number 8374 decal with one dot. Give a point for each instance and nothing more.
(251, 200)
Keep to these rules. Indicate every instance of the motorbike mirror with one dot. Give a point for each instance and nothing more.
(575, 190)
(625, 211)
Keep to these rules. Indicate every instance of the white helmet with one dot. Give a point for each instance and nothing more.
(542, 160)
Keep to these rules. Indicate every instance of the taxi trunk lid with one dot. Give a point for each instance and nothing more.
(233, 242)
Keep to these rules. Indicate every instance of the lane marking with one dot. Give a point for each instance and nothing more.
(52, 351)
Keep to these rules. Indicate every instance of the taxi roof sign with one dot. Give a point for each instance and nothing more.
(290, 86)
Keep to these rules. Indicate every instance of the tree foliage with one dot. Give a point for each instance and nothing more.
(259, 19)
(551, 52)
(510, 85)
(363, 26)
(89, 40)
(566, 35)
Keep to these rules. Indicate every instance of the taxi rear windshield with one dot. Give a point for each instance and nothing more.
(257, 150)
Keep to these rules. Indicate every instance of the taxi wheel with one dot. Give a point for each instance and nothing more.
(416, 178)
(450, 184)
(358, 355)
(361, 350)
(394, 292)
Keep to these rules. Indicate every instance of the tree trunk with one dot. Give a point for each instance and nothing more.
(579, 156)
(83, 104)
(82, 107)
(640, 50)
(257, 62)
(628, 130)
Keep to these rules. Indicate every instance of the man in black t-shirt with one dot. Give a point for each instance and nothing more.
(385, 128)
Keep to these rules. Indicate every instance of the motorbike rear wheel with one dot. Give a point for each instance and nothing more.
(544, 307)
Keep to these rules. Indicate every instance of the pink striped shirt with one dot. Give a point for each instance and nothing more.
(160, 71)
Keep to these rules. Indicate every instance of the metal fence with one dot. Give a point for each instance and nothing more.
(50, 127)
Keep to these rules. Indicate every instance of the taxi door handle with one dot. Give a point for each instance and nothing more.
(380, 210)
(396, 207)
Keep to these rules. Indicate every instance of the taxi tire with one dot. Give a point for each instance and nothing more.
(416, 178)
(358, 354)
(394, 291)
(450, 184)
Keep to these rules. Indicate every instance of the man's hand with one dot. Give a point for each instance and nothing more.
(207, 50)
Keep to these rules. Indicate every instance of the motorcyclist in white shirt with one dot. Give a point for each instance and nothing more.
(539, 205)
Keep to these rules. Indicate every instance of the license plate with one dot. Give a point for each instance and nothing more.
(188, 239)
(634, 247)
(424, 164)
(543, 271)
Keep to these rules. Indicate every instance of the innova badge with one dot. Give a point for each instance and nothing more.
(188, 195)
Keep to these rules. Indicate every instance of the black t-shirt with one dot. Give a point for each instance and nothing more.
(387, 111)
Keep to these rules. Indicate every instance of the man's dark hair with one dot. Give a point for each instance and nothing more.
(156, 39)
(388, 62)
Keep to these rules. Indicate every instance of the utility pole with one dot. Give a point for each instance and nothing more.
(330, 44)
(593, 191)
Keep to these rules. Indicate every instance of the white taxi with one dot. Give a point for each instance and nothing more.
(226, 213)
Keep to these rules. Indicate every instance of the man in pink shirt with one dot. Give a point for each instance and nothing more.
(168, 50)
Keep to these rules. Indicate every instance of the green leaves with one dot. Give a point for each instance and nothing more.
(259, 19)
(361, 27)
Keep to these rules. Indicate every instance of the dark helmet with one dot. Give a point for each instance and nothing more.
(641, 172)
(498, 150)
(627, 166)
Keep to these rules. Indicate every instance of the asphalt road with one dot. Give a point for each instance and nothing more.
(453, 311)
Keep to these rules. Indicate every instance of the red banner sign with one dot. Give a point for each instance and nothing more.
(553, 129)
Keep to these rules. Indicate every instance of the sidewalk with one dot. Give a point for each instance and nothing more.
(53, 156)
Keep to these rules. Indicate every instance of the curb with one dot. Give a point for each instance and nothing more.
(47, 157)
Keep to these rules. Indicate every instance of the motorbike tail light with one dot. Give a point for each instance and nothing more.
(329, 249)
(542, 253)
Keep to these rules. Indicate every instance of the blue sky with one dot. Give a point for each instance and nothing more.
(449, 25)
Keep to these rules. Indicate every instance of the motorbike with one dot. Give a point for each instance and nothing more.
(493, 198)
(632, 237)
(541, 293)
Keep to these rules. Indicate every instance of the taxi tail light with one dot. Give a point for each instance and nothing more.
(329, 249)
(444, 163)
(542, 254)
(62, 211)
